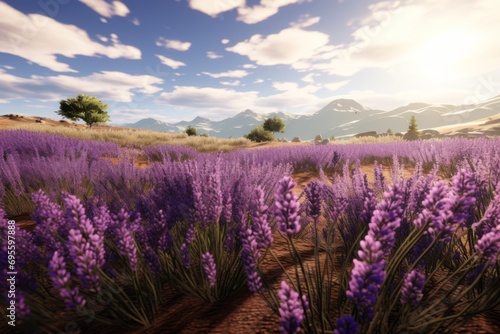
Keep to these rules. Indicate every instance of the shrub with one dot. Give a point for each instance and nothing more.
(191, 131)
(259, 134)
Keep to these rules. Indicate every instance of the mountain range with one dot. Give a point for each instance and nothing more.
(339, 118)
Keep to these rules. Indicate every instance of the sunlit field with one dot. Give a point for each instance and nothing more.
(182, 236)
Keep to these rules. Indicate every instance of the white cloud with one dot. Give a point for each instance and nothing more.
(262, 11)
(309, 78)
(115, 8)
(103, 20)
(249, 66)
(213, 55)
(103, 38)
(107, 85)
(228, 74)
(305, 21)
(208, 98)
(173, 44)
(224, 41)
(40, 39)
(214, 8)
(286, 47)
(136, 21)
(231, 83)
(333, 86)
(258, 81)
(284, 86)
(175, 64)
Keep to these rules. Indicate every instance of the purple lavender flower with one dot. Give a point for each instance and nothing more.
(61, 280)
(367, 276)
(489, 245)
(209, 267)
(260, 226)
(413, 287)
(438, 212)
(190, 234)
(465, 188)
(386, 219)
(287, 207)
(249, 256)
(346, 325)
(291, 309)
(84, 258)
(314, 198)
(185, 256)
(126, 246)
(491, 217)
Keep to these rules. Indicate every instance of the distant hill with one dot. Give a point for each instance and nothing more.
(340, 118)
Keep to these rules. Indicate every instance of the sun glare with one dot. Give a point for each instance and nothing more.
(443, 57)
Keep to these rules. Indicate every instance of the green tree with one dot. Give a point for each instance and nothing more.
(259, 134)
(413, 127)
(274, 124)
(191, 131)
(389, 132)
(412, 133)
(87, 108)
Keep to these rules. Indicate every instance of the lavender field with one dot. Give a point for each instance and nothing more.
(411, 248)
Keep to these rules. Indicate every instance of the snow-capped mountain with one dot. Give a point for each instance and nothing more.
(340, 118)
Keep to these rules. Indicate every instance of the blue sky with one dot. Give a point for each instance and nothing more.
(177, 59)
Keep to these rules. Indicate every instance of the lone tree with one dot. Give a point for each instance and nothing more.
(87, 108)
(412, 133)
(274, 124)
(191, 131)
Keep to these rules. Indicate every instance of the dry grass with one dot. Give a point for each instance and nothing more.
(136, 138)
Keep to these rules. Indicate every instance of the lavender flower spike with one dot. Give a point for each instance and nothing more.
(314, 198)
(412, 290)
(287, 207)
(489, 245)
(291, 309)
(249, 256)
(260, 226)
(346, 325)
(209, 267)
(60, 280)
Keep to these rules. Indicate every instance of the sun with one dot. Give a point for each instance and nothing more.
(443, 57)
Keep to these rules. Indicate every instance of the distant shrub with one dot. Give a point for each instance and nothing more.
(274, 124)
(258, 134)
(191, 131)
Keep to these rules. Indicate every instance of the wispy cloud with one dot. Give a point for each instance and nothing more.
(213, 55)
(175, 64)
(214, 8)
(46, 39)
(173, 44)
(108, 85)
(264, 10)
(228, 74)
(286, 47)
(106, 9)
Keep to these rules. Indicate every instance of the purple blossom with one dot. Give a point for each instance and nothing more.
(287, 207)
(466, 190)
(367, 276)
(185, 256)
(437, 211)
(314, 199)
(386, 219)
(346, 325)
(291, 309)
(491, 217)
(22, 309)
(260, 226)
(84, 258)
(209, 267)
(60, 278)
(413, 287)
(190, 233)
(250, 255)
(126, 246)
(489, 245)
